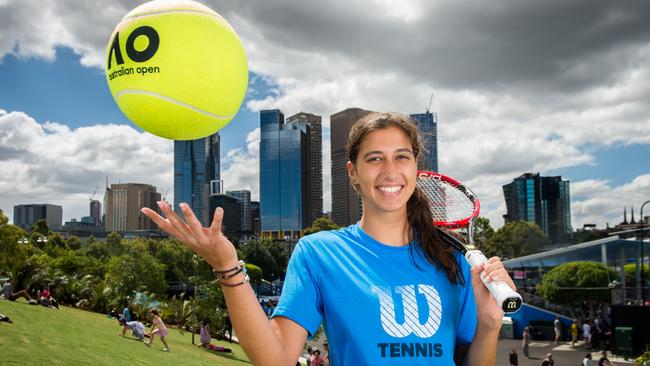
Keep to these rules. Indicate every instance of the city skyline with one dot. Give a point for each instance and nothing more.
(555, 88)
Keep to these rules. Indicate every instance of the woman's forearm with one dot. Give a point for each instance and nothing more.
(483, 350)
(254, 330)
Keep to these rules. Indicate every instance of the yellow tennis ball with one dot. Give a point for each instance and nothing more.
(176, 69)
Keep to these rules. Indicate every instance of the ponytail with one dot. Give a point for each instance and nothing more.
(436, 252)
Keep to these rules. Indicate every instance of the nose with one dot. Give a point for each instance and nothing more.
(390, 170)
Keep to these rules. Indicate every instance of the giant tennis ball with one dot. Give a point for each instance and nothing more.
(177, 69)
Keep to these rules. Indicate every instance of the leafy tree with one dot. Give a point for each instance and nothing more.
(13, 251)
(3, 218)
(73, 243)
(516, 239)
(254, 272)
(135, 271)
(257, 252)
(483, 232)
(97, 249)
(630, 274)
(573, 282)
(321, 224)
(40, 227)
(114, 244)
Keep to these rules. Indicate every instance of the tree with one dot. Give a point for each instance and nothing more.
(40, 227)
(483, 232)
(73, 243)
(516, 239)
(14, 251)
(630, 274)
(114, 243)
(257, 252)
(573, 282)
(135, 271)
(321, 224)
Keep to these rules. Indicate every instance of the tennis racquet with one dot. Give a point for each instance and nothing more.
(453, 207)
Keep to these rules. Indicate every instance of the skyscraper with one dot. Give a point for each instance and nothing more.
(316, 137)
(123, 203)
(346, 203)
(232, 220)
(544, 201)
(246, 221)
(26, 215)
(96, 212)
(428, 125)
(285, 176)
(197, 174)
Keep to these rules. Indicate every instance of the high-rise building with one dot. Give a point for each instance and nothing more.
(316, 137)
(246, 221)
(96, 212)
(255, 218)
(428, 125)
(346, 203)
(285, 176)
(231, 223)
(545, 201)
(197, 175)
(26, 215)
(123, 203)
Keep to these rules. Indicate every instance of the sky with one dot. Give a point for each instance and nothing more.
(558, 87)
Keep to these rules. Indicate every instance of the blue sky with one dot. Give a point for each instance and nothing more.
(559, 88)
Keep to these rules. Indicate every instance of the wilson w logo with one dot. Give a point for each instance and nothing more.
(411, 324)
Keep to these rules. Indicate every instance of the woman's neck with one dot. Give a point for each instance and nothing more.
(388, 228)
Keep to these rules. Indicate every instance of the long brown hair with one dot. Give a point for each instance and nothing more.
(417, 207)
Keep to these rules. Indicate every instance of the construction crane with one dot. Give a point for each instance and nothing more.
(164, 197)
(430, 102)
(90, 198)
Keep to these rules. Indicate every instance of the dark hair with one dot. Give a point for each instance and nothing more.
(154, 312)
(417, 207)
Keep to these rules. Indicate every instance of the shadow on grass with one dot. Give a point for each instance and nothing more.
(230, 356)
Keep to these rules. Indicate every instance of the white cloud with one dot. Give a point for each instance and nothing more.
(242, 167)
(603, 203)
(51, 163)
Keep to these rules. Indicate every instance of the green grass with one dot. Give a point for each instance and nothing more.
(42, 336)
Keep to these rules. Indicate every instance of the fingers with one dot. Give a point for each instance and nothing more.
(215, 227)
(194, 223)
(495, 271)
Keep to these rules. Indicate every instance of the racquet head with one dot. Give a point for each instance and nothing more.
(452, 204)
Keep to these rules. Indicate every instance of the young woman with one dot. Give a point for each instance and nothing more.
(157, 328)
(386, 289)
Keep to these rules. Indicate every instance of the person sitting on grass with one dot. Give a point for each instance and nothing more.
(7, 290)
(157, 328)
(206, 337)
(137, 328)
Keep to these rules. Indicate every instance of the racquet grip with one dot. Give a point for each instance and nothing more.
(508, 299)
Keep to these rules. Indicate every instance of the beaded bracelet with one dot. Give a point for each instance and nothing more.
(241, 266)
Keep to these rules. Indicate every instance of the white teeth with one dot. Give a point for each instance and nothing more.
(390, 189)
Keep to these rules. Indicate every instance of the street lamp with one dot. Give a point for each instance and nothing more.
(42, 240)
(23, 240)
(641, 243)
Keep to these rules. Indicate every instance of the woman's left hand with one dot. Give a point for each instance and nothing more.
(490, 314)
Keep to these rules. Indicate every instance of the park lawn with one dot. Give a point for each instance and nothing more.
(42, 336)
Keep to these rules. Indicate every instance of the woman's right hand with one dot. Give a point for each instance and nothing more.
(209, 243)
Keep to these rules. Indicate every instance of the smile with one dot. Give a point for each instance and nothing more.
(390, 189)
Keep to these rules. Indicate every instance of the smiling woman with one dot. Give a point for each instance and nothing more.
(387, 290)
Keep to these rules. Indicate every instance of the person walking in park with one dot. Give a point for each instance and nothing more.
(587, 360)
(347, 277)
(157, 328)
(586, 333)
(514, 361)
(574, 332)
(557, 329)
(525, 342)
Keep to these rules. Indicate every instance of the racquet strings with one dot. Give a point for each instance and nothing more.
(449, 205)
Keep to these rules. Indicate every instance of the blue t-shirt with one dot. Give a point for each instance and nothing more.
(377, 307)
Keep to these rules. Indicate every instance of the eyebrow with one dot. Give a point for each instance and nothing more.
(404, 149)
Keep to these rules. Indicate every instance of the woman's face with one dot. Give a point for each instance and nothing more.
(385, 170)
